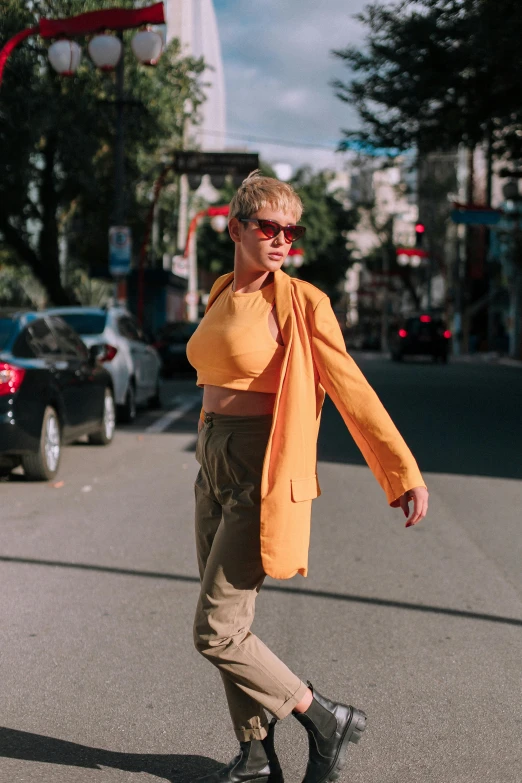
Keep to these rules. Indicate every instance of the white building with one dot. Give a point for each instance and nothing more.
(194, 23)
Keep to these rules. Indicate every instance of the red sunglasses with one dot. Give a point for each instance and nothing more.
(271, 229)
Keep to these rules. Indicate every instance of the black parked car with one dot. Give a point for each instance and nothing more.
(52, 391)
(421, 335)
(171, 344)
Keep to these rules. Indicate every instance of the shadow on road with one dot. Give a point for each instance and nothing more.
(25, 746)
(358, 599)
(457, 419)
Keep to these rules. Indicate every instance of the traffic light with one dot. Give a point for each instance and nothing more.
(419, 234)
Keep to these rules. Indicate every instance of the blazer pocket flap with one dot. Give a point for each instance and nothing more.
(304, 488)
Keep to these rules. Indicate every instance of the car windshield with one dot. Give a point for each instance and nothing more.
(6, 328)
(85, 323)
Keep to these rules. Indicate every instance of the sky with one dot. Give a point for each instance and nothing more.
(278, 68)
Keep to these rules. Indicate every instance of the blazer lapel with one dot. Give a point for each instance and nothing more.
(283, 301)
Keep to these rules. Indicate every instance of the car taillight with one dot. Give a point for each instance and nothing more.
(447, 334)
(109, 353)
(403, 333)
(11, 378)
(425, 319)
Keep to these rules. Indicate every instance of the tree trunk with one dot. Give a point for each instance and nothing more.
(44, 264)
(49, 272)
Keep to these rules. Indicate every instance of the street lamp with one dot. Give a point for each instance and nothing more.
(294, 258)
(65, 57)
(190, 253)
(219, 223)
(106, 52)
(147, 47)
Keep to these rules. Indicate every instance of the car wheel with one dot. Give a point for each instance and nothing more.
(155, 401)
(127, 411)
(43, 466)
(105, 435)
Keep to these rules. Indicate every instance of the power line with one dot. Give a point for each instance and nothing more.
(266, 140)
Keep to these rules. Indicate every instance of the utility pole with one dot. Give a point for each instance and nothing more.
(120, 282)
(119, 146)
(386, 286)
(183, 220)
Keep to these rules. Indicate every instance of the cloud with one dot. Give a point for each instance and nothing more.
(278, 68)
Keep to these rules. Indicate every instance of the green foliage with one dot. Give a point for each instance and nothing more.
(57, 140)
(327, 222)
(436, 73)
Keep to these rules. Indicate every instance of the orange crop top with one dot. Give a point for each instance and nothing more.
(233, 346)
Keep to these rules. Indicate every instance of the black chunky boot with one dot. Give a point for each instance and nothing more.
(330, 726)
(257, 761)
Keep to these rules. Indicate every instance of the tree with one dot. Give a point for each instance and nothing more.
(436, 73)
(328, 221)
(56, 142)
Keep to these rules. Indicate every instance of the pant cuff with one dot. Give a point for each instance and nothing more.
(288, 705)
(246, 735)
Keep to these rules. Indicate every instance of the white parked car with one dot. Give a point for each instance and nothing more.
(133, 364)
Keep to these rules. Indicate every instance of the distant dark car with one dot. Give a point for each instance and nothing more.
(52, 391)
(421, 335)
(171, 344)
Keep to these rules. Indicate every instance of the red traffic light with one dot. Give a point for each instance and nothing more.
(420, 228)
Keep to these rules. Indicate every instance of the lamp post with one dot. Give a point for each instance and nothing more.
(106, 51)
(190, 253)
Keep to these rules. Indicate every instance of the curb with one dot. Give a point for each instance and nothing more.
(465, 358)
(486, 358)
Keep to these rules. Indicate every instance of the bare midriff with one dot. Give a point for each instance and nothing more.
(233, 402)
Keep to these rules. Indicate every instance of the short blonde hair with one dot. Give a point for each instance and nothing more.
(256, 191)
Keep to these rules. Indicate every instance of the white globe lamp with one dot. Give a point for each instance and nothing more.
(415, 261)
(219, 223)
(147, 46)
(105, 51)
(403, 259)
(65, 57)
(297, 258)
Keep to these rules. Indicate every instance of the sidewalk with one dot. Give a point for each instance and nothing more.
(490, 357)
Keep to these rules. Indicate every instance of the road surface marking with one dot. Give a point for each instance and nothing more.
(186, 404)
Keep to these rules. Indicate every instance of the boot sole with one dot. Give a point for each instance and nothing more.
(352, 733)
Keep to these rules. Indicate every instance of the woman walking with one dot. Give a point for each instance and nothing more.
(266, 351)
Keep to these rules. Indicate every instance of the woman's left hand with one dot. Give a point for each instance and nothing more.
(419, 495)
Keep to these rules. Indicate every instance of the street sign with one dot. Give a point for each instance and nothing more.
(217, 163)
(475, 215)
(180, 266)
(120, 250)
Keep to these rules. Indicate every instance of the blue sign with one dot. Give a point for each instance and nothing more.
(476, 217)
(120, 250)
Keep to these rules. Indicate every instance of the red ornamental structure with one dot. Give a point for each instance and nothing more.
(85, 24)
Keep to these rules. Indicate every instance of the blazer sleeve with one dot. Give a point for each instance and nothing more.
(370, 425)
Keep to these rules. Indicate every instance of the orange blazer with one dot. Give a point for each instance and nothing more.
(316, 362)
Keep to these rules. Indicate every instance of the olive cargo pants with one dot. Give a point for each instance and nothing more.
(230, 450)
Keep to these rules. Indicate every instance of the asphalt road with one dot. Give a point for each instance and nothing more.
(420, 627)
